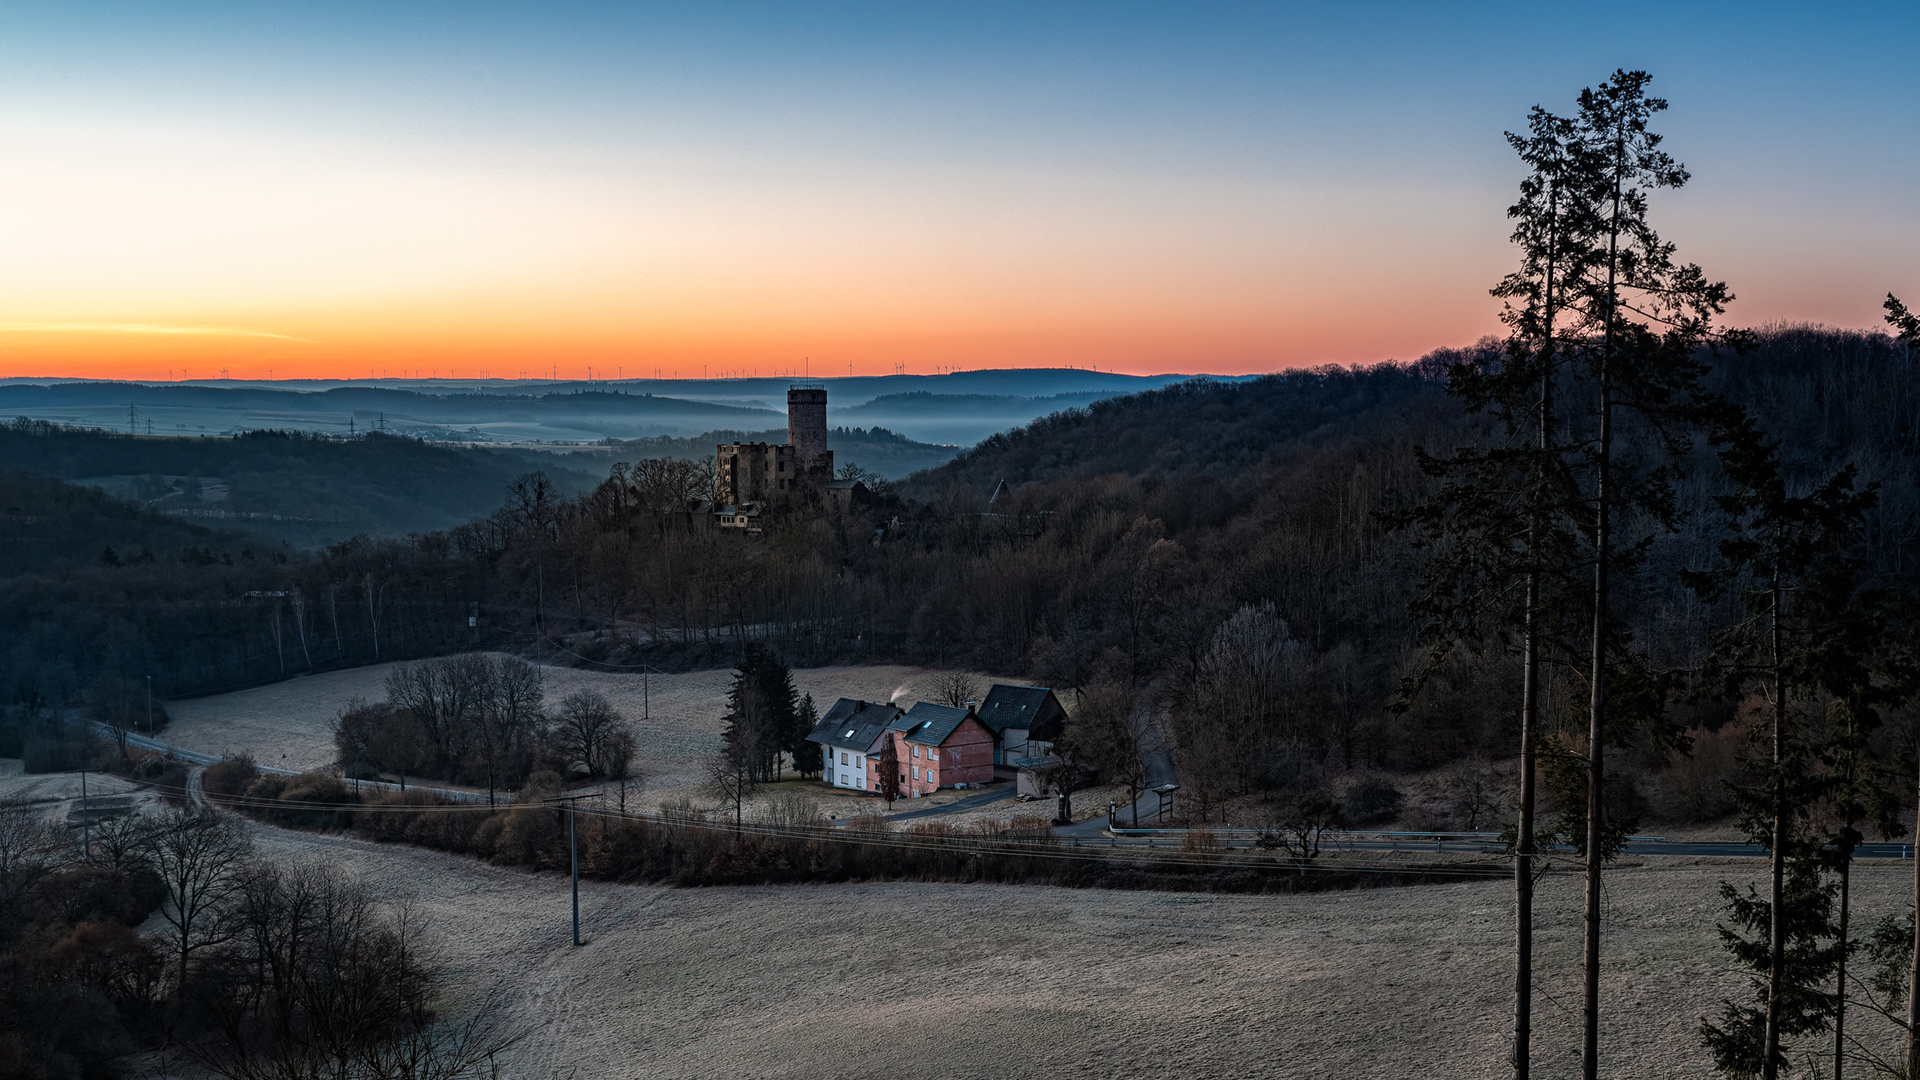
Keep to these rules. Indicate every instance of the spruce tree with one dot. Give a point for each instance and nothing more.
(1642, 321)
(1806, 633)
(762, 713)
(1605, 327)
(1497, 524)
(1906, 328)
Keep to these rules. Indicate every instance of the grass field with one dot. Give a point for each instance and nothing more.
(676, 718)
(934, 980)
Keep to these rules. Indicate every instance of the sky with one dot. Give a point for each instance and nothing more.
(474, 190)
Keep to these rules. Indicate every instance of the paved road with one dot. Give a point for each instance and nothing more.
(994, 794)
(200, 759)
(1469, 843)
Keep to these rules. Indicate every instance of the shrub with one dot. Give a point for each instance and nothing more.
(1372, 801)
(529, 837)
(230, 779)
(265, 788)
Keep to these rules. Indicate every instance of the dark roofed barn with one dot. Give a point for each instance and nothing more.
(1022, 714)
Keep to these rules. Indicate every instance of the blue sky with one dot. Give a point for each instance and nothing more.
(1232, 187)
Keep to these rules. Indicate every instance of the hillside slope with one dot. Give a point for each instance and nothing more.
(1207, 427)
(304, 489)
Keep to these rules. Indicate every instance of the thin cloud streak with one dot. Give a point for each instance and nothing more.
(140, 328)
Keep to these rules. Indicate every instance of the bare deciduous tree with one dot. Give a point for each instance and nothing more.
(1117, 740)
(199, 857)
(592, 734)
(957, 689)
(29, 850)
(731, 773)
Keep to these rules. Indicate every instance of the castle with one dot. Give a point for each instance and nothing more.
(746, 475)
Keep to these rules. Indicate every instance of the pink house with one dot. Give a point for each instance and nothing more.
(940, 747)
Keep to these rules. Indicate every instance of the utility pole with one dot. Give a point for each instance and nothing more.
(573, 847)
(130, 419)
(86, 817)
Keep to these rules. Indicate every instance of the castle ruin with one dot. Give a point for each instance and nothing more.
(749, 474)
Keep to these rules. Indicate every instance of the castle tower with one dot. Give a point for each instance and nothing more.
(807, 431)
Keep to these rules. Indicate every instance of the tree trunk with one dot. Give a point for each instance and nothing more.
(1777, 936)
(1530, 709)
(1913, 970)
(1840, 997)
(1596, 767)
(1523, 854)
(1596, 719)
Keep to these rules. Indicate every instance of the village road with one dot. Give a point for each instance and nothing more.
(972, 802)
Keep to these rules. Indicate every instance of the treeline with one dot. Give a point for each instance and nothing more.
(1266, 491)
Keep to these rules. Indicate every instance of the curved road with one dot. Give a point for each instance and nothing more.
(200, 760)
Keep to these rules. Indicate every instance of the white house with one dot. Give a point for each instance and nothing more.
(850, 737)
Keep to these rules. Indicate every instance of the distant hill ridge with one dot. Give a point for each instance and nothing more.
(1201, 426)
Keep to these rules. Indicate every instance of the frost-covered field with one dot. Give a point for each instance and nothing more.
(676, 718)
(938, 980)
(930, 980)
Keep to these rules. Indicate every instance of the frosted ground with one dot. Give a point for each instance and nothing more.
(933, 980)
(905, 980)
(289, 724)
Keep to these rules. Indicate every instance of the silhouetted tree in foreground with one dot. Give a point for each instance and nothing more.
(1807, 634)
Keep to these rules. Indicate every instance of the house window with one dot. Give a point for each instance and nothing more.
(843, 757)
(916, 772)
(916, 751)
(933, 752)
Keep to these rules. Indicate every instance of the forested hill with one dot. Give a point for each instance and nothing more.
(45, 521)
(1204, 427)
(308, 490)
(1828, 395)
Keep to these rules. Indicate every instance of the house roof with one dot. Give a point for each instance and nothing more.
(853, 724)
(1032, 708)
(931, 724)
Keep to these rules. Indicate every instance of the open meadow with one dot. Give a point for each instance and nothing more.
(676, 719)
(911, 979)
(937, 980)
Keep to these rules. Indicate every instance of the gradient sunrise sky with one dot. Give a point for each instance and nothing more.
(339, 190)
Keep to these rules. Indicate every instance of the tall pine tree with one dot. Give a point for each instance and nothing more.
(1497, 524)
(1643, 321)
(1805, 638)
